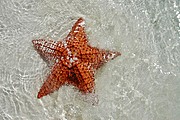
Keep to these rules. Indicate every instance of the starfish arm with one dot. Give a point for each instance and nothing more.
(85, 77)
(49, 50)
(97, 57)
(108, 55)
(104, 56)
(54, 81)
(77, 37)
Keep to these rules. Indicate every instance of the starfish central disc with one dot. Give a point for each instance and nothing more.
(74, 60)
(70, 57)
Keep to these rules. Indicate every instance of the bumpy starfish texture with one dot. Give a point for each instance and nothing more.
(74, 61)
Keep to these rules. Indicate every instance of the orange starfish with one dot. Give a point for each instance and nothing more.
(74, 61)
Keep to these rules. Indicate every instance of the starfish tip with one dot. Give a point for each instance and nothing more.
(34, 41)
(39, 95)
(118, 53)
(80, 19)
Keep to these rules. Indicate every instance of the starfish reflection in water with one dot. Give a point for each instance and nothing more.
(74, 61)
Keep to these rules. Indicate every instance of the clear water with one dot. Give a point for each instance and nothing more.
(142, 84)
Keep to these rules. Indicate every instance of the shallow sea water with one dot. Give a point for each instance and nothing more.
(142, 84)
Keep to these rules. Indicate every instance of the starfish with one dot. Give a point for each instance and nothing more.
(74, 60)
